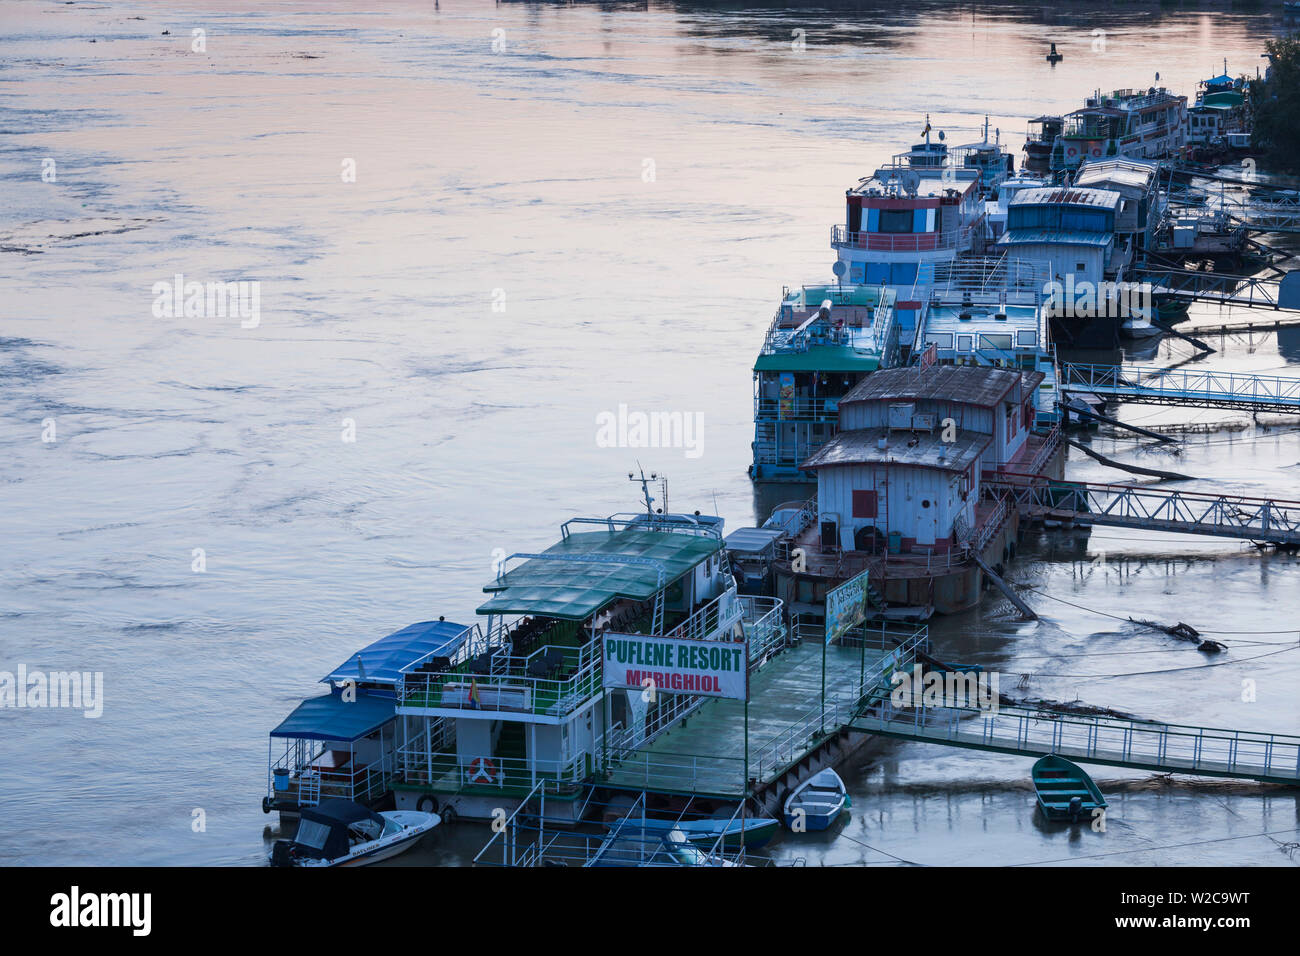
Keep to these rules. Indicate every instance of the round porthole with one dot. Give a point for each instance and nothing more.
(925, 502)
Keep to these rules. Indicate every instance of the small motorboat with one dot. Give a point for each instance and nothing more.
(630, 844)
(344, 833)
(1065, 792)
(816, 803)
(751, 832)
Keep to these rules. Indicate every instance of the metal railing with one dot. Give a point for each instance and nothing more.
(841, 704)
(764, 622)
(1107, 740)
(1195, 387)
(308, 783)
(714, 619)
(797, 409)
(1156, 509)
(453, 771)
(985, 279)
(507, 685)
(1195, 286)
(953, 239)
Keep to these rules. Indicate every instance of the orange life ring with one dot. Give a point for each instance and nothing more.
(482, 769)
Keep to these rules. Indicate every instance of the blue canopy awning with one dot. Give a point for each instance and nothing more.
(382, 661)
(333, 718)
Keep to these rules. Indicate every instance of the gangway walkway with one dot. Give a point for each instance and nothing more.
(1154, 509)
(1191, 388)
(1113, 741)
(1252, 292)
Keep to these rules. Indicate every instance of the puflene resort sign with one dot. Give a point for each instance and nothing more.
(675, 665)
(846, 606)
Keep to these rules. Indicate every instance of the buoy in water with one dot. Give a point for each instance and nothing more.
(1053, 56)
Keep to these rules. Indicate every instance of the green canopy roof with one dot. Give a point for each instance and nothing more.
(829, 358)
(587, 570)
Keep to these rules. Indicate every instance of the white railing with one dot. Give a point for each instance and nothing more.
(764, 622)
(711, 620)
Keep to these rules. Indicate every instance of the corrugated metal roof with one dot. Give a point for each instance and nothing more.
(332, 718)
(1078, 237)
(1125, 172)
(1058, 196)
(979, 385)
(753, 540)
(922, 450)
(382, 661)
(573, 590)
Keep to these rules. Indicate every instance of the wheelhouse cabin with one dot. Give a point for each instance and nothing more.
(921, 210)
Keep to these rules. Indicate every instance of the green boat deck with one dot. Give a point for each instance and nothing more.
(705, 754)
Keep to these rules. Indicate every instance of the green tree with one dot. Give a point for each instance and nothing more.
(1276, 105)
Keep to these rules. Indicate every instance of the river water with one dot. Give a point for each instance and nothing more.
(600, 210)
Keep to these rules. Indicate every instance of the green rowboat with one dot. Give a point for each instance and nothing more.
(1065, 792)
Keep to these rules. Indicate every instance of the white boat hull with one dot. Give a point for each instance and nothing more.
(415, 825)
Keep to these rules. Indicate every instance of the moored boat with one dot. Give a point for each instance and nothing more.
(816, 803)
(751, 832)
(346, 833)
(631, 844)
(1065, 792)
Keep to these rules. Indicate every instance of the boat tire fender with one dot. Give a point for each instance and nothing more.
(427, 804)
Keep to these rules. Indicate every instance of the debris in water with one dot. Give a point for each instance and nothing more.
(1184, 632)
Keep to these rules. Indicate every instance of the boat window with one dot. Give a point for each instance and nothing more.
(312, 834)
(896, 220)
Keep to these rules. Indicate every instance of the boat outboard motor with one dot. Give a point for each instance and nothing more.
(281, 853)
(1076, 809)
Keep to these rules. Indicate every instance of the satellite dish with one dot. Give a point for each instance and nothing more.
(839, 268)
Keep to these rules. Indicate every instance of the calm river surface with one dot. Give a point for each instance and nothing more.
(517, 176)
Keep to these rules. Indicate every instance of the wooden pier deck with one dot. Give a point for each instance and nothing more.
(705, 754)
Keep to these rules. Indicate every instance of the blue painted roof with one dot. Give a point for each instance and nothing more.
(1074, 237)
(382, 661)
(332, 718)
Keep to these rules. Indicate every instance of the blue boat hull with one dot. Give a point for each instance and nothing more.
(814, 822)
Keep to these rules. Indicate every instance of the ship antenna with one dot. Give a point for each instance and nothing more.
(645, 489)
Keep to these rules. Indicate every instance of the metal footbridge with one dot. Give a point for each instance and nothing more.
(1193, 388)
(1252, 292)
(1113, 741)
(1154, 509)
